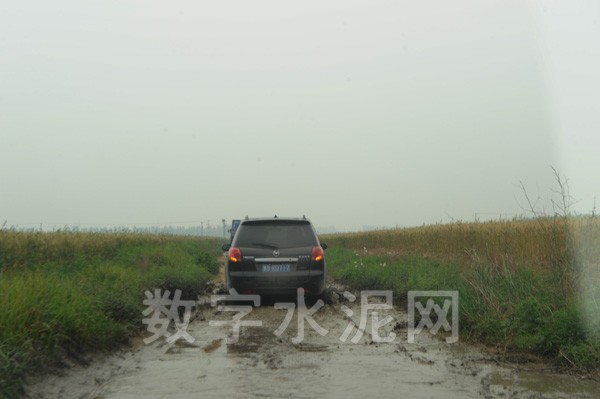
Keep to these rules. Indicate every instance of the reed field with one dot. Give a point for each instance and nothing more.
(63, 293)
(535, 242)
(529, 286)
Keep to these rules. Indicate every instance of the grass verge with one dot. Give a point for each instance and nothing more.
(508, 306)
(86, 296)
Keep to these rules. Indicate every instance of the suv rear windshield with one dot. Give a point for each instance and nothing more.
(275, 234)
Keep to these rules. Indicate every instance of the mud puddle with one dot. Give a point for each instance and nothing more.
(262, 364)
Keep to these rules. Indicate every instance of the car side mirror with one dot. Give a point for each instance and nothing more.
(226, 247)
(323, 245)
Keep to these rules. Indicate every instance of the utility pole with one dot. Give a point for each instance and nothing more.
(201, 228)
(224, 231)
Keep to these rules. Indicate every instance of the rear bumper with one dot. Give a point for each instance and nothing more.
(313, 282)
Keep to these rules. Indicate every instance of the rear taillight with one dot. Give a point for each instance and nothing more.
(317, 254)
(235, 255)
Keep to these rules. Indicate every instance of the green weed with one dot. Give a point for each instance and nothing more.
(63, 294)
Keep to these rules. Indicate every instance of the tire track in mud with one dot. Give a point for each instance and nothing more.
(262, 364)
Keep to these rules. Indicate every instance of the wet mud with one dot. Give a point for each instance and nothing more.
(262, 364)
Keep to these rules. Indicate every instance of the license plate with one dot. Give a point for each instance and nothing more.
(279, 268)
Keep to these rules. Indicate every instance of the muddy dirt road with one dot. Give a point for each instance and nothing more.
(263, 365)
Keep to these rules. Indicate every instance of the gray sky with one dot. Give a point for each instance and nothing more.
(351, 112)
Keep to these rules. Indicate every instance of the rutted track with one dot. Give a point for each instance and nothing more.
(262, 364)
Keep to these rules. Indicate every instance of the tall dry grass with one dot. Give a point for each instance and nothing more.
(540, 243)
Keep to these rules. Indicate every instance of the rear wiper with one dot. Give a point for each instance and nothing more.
(260, 244)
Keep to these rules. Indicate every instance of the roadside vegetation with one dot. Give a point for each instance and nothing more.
(529, 285)
(63, 293)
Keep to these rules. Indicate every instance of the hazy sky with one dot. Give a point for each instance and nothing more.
(351, 112)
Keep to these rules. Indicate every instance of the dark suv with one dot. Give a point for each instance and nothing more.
(275, 256)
